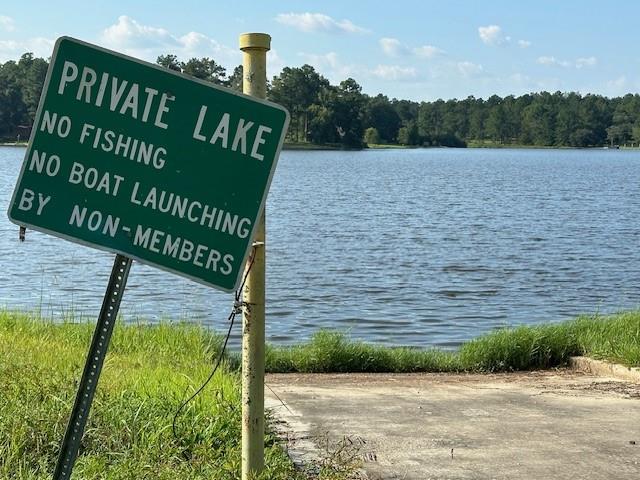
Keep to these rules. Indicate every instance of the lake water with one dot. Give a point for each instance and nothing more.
(401, 247)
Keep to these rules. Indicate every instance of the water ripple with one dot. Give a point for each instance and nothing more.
(412, 247)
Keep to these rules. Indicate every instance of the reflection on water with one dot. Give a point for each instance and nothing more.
(412, 247)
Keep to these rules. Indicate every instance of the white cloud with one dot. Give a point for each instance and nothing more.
(519, 78)
(427, 51)
(330, 65)
(578, 63)
(323, 60)
(394, 72)
(586, 62)
(7, 23)
(39, 46)
(520, 83)
(318, 22)
(492, 35)
(551, 60)
(524, 43)
(393, 47)
(128, 33)
(275, 63)
(619, 84)
(147, 42)
(469, 69)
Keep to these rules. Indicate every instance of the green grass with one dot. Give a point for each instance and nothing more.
(329, 351)
(615, 338)
(149, 371)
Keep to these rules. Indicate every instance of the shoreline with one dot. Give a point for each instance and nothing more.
(393, 146)
(614, 338)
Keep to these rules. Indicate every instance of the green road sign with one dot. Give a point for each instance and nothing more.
(132, 158)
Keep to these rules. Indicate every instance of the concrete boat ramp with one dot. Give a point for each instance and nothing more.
(558, 424)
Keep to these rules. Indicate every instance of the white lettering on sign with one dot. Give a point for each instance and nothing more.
(124, 97)
(87, 81)
(42, 201)
(69, 74)
(39, 163)
(193, 210)
(259, 141)
(182, 249)
(90, 178)
(241, 133)
(26, 201)
(103, 88)
(131, 102)
(49, 122)
(128, 147)
(162, 109)
(151, 93)
(94, 221)
(222, 131)
(196, 131)
(241, 136)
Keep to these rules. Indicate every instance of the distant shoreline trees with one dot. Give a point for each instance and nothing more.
(21, 84)
(342, 115)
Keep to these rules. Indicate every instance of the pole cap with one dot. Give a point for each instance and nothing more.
(255, 41)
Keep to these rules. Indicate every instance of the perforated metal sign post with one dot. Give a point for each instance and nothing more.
(136, 159)
(92, 368)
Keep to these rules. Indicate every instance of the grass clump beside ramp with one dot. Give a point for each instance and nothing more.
(149, 371)
(333, 352)
(615, 338)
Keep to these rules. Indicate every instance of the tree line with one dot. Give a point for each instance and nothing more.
(20, 87)
(341, 115)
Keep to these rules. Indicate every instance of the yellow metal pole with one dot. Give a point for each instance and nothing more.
(254, 47)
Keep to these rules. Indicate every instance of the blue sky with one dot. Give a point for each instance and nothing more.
(419, 50)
